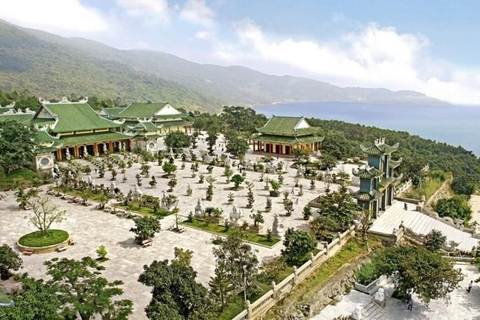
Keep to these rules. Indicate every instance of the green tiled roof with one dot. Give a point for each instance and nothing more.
(42, 121)
(173, 123)
(287, 139)
(112, 112)
(141, 110)
(84, 139)
(285, 126)
(394, 163)
(19, 117)
(78, 117)
(379, 148)
(367, 173)
(44, 137)
(385, 182)
(367, 196)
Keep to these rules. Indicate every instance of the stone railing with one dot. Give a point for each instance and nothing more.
(262, 305)
(404, 187)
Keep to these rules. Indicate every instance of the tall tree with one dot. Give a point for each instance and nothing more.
(17, 145)
(84, 293)
(434, 240)
(175, 294)
(419, 271)
(145, 228)
(177, 140)
(297, 244)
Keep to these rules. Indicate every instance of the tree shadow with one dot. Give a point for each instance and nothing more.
(129, 244)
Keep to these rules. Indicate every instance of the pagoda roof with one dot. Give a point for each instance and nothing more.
(288, 126)
(367, 196)
(379, 148)
(42, 137)
(76, 116)
(19, 117)
(173, 123)
(149, 110)
(84, 139)
(367, 172)
(288, 139)
(112, 112)
(394, 163)
(145, 126)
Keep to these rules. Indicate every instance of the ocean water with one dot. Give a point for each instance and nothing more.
(455, 125)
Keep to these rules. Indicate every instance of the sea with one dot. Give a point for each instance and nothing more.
(453, 124)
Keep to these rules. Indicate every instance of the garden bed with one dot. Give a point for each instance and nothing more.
(222, 231)
(35, 239)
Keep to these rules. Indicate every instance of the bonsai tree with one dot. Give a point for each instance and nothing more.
(145, 168)
(139, 179)
(237, 180)
(145, 228)
(307, 212)
(275, 186)
(228, 172)
(285, 195)
(201, 178)
(114, 175)
(102, 253)
(23, 197)
(312, 184)
(231, 197)
(189, 190)
(153, 182)
(169, 168)
(171, 184)
(288, 205)
(297, 244)
(209, 169)
(210, 188)
(45, 213)
(250, 198)
(257, 218)
(280, 178)
(435, 240)
(9, 261)
(268, 206)
(300, 192)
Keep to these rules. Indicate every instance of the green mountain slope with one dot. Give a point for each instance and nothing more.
(48, 65)
(51, 70)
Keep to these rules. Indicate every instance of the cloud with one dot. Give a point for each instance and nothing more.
(373, 57)
(59, 16)
(197, 12)
(153, 11)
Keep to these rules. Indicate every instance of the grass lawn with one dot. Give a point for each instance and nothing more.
(35, 239)
(220, 230)
(428, 188)
(3, 297)
(132, 207)
(26, 177)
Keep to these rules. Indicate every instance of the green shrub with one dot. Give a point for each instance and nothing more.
(367, 274)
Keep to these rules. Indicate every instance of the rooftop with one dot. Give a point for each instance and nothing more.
(148, 110)
(288, 126)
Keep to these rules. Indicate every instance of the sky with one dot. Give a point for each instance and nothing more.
(430, 46)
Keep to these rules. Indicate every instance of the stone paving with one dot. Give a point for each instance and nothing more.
(462, 305)
(91, 228)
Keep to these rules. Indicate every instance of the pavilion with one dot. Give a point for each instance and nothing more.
(281, 135)
(377, 178)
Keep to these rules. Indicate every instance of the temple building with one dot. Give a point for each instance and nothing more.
(281, 135)
(73, 129)
(149, 121)
(377, 178)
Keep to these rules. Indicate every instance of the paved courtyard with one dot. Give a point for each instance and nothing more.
(461, 306)
(91, 228)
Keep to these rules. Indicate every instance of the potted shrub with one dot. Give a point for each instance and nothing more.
(367, 279)
(268, 206)
(276, 187)
(231, 198)
(307, 212)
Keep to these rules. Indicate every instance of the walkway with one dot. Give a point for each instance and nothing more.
(420, 224)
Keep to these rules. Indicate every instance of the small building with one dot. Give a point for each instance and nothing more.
(377, 178)
(149, 121)
(281, 135)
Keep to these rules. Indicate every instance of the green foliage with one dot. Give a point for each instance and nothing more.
(169, 168)
(175, 294)
(83, 292)
(36, 300)
(322, 228)
(367, 273)
(9, 261)
(236, 145)
(419, 271)
(240, 119)
(237, 179)
(257, 218)
(183, 257)
(456, 207)
(16, 143)
(145, 228)
(339, 206)
(102, 252)
(275, 185)
(45, 213)
(434, 240)
(465, 184)
(297, 244)
(177, 140)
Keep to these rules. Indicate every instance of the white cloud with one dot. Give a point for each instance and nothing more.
(59, 16)
(153, 11)
(374, 57)
(197, 12)
(202, 35)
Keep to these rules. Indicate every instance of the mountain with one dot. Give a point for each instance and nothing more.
(48, 64)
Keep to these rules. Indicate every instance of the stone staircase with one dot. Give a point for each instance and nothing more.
(420, 224)
(373, 311)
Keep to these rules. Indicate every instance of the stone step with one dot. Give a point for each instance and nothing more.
(372, 311)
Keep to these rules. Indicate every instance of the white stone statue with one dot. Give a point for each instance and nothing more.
(54, 174)
(137, 193)
(271, 167)
(85, 151)
(228, 161)
(124, 146)
(105, 150)
(70, 175)
(380, 297)
(67, 154)
(199, 209)
(89, 179)
(357, 313)
(163, 201)
(300, 170)
(235, 215)
(277, 228)
(208, 159)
